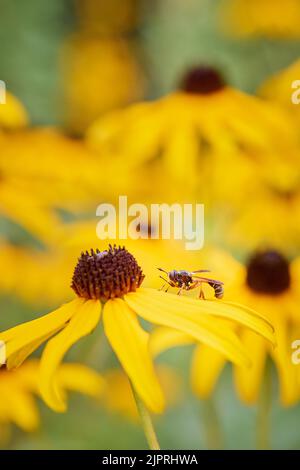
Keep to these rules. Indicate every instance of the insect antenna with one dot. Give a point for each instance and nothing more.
(163, 270)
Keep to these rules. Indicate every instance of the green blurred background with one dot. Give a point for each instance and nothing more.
(172, 35)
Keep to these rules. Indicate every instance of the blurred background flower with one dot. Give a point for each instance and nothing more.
(18, 390)
(163, 101)
(196, 134)
(271, 18)
(100, 66)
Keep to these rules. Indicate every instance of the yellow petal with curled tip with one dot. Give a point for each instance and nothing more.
(255, 321)
(130, 343)
(180, 314)
(206, 367)
(21, 340)
(229, 310)
(81, 324)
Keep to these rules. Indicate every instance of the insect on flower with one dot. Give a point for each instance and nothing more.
(188, 280)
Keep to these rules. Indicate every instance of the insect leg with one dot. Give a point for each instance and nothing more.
(166, 282)
(201, 293)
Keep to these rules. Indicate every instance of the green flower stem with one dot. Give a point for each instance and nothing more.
(146, 422)
(264, 411)
(211, 425)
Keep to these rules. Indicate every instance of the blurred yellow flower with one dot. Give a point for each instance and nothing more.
(100, 74)
(19, 387)
(270, 284)
(36, 276)
(270, 218)
(42, 170)
(278, 87)
(270, 18)
(12, 114)
(151, 252)
(202, 138)
(114, 277)
(101, 16)
(118, 398)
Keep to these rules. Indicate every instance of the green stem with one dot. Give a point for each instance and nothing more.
(264, 411)
(146, 422)
(212, 426)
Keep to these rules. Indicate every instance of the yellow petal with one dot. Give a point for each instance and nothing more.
(230, 310)
(20, 407)
(16, 359)
(22, 208)
(81, 324)
(12, 113)
(287, 371)
(248, 317)
(248, 380)
(183, 140)
(79, 378)
(130, 343)
(184, 315)
(207, 366)
(21, 340)
(163, 338)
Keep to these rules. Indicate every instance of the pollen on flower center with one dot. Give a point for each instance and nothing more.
(106, 274)
(202, 80)
(268, 273)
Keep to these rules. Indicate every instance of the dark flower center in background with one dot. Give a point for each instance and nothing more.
(106, 274)
(202, 80)
(268, 273)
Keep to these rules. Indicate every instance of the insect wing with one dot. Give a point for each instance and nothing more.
(201, 271)
(206, 279)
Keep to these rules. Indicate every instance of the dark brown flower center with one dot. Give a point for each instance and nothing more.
(106, 274)
(202, 80)
(268, 273)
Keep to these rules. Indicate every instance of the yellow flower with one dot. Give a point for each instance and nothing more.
(19, 387)
(151, 252)
(259, 223)
(100, 74)
(278, 88)
(12, 114)
(38, 277)
(108, 283)
(207, 134)
(271, 217)
(41, 170)
(271, 18)
(270, 284)
(117, 396)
